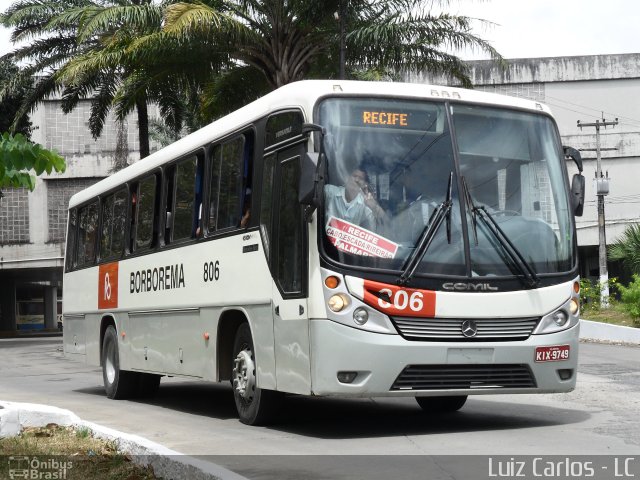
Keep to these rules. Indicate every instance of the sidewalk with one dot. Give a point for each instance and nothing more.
(604, 332)
(165, 462)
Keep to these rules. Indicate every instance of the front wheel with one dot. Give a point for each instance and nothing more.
(255, 406)
(441, 404)
(118, 384)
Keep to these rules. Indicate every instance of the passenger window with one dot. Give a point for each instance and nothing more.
(226, 184)
(114, 213)
(86, 243)
(185, 193)
(71, 240)
(145, 205)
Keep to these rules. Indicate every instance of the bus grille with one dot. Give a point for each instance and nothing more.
(449, 377)
(450, 329)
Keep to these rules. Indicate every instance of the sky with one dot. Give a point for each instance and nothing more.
(534, 28)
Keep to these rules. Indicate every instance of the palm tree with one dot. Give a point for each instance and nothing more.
(627, 249)
(47, 45)
(249, 47)
(78, 51)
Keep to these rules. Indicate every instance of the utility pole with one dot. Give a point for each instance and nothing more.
(602, 189)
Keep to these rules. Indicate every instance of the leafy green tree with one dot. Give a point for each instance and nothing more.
(19, 156)
(245, 48)
(630, 297)
(75, 47)
(46, 42)
(627, 249)
(10, 104)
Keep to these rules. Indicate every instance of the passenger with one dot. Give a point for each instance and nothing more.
(354, 202)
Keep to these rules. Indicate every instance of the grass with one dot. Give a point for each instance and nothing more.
(614, 315)
(69, 454)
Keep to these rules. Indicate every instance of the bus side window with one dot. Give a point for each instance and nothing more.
(226, 182)
(185, 194)
(70, 260)
(113, 224)
(86, 241)
(145, 213)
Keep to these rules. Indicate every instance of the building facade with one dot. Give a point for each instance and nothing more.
(585, 89)
(33, 224)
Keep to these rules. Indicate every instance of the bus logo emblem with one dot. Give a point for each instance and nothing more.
(108, 286)
(469, 328)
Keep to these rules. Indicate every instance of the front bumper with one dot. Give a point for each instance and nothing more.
(378, 359)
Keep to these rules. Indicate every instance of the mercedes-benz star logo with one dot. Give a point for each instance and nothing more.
(469, 328)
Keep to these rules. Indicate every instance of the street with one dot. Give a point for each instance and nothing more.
(196, 418)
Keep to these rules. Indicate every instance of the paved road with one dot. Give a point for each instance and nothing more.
(599, 417)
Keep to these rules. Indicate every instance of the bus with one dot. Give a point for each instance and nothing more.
(336, 238)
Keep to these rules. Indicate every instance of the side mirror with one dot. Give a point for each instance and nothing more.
(308, 179)
(577, 182)
(577, 194)
(574, 155)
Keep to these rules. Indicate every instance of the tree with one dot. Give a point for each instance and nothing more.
(18, 157)
(253, 46)
(10, 105)
(48, 43)
(627, 249)
(64, 35)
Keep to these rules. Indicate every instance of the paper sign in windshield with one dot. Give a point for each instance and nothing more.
(356, 240)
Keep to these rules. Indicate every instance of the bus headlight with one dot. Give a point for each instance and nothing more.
(338, 302)
(574, 306)
(360, 315)
(560, 319)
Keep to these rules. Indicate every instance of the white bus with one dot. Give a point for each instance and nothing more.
(336, 238)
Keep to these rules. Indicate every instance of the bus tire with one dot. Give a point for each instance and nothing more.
(118, 384)
(255, 406)
(148, 384)
(441, 404)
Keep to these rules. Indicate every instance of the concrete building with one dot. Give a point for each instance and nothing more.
(583, 88)
(33, 224)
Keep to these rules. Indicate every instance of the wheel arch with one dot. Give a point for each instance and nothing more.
(230, 321)
(104, 324)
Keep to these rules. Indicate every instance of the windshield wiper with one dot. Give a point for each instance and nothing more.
(530, 277)
(442, 212)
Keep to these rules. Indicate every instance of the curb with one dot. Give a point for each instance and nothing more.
(608, 333)
(165, 462)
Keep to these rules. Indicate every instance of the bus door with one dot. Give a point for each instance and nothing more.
(289, 268)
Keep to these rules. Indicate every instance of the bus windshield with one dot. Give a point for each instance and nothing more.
(390, 163)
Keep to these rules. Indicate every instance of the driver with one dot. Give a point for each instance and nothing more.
(354, 202)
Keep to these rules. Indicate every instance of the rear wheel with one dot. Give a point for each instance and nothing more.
(118, 384)
(255, 406)
(441, 404)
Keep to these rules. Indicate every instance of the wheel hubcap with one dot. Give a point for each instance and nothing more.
(244, 378)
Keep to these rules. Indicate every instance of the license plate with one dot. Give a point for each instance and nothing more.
(556, 353)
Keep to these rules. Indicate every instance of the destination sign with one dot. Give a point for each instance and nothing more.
(385, 118)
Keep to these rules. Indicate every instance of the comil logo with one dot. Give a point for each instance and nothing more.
(35, 468)
(108, 286)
